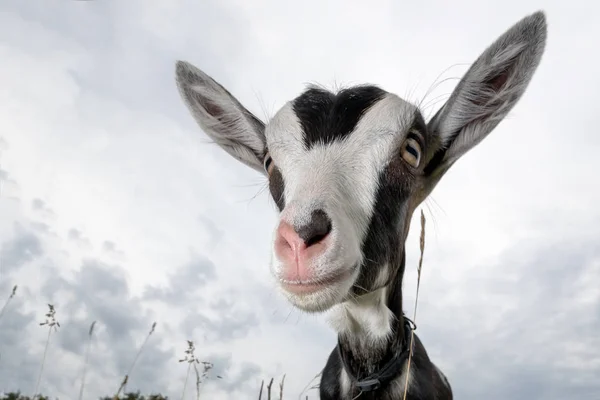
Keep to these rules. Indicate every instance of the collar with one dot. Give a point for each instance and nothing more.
(390, 370)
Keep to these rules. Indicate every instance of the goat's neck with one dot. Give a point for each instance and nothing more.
(370, 327)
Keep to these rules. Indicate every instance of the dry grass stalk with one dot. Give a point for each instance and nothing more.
(269, 389)
(121, 387)
(270, 386)
(126, 378)
(198, 381)
(86, 359)
(50, 322)
(200, 378)
(281, 387)
(308, 385)
(12, 294)
(191, 359)
(187, 375)
(412, 334)
(262, 385)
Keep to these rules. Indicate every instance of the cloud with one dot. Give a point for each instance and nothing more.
(77, 236)
(14, 351)
(529, 320)
(23, 248)
(111, 249)
(184, 284)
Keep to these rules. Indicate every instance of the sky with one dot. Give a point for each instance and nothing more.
(115, 208)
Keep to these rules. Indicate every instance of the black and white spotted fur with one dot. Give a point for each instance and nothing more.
(342, 156)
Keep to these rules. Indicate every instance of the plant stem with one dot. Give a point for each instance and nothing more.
(37, 385)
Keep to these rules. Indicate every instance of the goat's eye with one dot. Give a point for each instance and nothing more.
(411, 152)
(268, 163)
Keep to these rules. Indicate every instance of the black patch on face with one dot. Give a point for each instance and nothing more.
(384, 243)
(435, 162)
(440, 153)
(276, 186)
(326, 117)
(419, 123)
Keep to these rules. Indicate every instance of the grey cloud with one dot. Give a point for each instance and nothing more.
(75, 334)
(3, 144)
(214, 232)
(105, 294)
(230, 325)
(43, 228)
(17, 364)
(149, 375)
(78, 237)
(184, 284)
(89, 14)
(184, 289)
(41, 207)
(101, 292)
(10, 188)
(122, 44)
(248, 374)
(112, 249)
(242, 378)
(3, 173)
(38, 204)
(74, 234)
(530, 295)
(23, 248)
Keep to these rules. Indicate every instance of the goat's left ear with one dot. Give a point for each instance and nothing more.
(485, 95)
(221, 116)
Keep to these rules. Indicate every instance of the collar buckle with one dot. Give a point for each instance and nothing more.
(368, 385)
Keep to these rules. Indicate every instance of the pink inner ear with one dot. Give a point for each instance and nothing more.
(211, 108)
(496, 83)
(499, 80)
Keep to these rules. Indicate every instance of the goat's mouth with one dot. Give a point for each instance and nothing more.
(319, 295)
(311, 286)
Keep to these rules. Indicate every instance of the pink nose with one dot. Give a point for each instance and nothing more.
(298, 248)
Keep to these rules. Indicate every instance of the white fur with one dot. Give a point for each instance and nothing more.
(366, 318)
(345, 383)
(341, 178)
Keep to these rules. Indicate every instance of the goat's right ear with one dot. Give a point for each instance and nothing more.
(485, 95)
(221, 116)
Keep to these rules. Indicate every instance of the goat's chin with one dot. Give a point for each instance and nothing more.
(321, 299)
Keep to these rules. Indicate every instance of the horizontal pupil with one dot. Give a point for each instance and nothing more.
(412, 151)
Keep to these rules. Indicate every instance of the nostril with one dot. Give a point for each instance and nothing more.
(316, 229)
(285, 243)
(287, 238)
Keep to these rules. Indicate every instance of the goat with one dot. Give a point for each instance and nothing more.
(346, 171)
